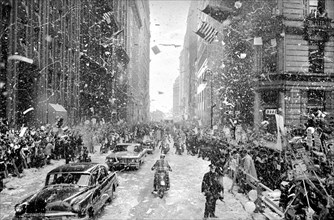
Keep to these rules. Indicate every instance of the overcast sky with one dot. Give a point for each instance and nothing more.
(168, 26)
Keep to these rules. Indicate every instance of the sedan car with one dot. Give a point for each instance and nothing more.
(126, 155)
(77, 190)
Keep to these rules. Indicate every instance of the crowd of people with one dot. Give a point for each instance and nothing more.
(304, 165)
(34, 147)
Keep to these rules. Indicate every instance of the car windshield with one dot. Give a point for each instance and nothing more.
(81, 179)
(119, 148)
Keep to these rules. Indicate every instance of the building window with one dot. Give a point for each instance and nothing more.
(270, 98)
(315, 100)
(316, 57)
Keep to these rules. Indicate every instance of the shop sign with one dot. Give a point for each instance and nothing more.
(271, 111)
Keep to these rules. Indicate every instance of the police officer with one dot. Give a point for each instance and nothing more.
(212, 190)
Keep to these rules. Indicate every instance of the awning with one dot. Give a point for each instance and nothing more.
(57, 107)
(56, 111)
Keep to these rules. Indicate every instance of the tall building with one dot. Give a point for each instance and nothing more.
(138, 70)
(302, 81)
(103, 59)
(71, 59)
(293, 66)
(40, 60)
(177, 115)
(188, 59)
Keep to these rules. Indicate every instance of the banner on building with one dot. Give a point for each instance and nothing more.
(280, 131)
(207, 32)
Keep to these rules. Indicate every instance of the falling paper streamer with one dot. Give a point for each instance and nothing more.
(237, 4)
(28, 110)
(258, 41)
(23, 131)
(21, 58)
(242, 56)
(155, 49)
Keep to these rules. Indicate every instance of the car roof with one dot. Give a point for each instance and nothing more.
(74, 167)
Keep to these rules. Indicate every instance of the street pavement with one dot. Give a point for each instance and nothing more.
(133, 198)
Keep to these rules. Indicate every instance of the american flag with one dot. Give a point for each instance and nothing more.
(207, 32)
(107, 16)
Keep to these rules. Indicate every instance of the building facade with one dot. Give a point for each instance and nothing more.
(138, 71)
(293, 69)
(103, 60)
(188, 59)
(74, 55)
(40, 57)
(302, 81)
(177, 115)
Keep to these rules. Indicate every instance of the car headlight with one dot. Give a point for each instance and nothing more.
(19, 209)
(76, 208)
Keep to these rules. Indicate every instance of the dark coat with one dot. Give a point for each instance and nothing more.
(211, 185)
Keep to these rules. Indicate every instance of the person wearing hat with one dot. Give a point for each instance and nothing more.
(161, 165)
(212, 190)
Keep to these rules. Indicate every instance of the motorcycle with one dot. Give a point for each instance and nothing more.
(162, 186)
(178, 149)
(164, 148)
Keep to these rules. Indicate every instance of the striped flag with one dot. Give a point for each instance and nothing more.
(107, 16)
(207, 32)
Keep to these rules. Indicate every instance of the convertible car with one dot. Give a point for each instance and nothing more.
(126, 155)
(77, 190)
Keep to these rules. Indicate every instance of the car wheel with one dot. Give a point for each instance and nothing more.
(111, 196)
(91, 212)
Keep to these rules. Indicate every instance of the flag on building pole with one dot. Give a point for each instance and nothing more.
(107, 16)
(207, 32)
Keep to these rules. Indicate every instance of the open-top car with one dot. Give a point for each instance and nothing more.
(126, 155)
(77, 190)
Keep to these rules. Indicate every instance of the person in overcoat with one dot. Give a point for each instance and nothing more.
(212, 190)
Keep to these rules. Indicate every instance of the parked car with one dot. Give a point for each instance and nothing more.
(126, 155)
(76, 190)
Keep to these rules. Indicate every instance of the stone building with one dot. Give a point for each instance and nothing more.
(302, 81)
(294, 69)
(72, 59)
(138, 70)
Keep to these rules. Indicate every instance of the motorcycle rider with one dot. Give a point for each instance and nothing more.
(161, 165)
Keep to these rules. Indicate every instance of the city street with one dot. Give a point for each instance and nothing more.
(134, 200)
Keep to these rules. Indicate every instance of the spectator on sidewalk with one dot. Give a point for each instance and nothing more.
(212, 190)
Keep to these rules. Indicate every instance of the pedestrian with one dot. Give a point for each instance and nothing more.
(49, 148)
(212, 190)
